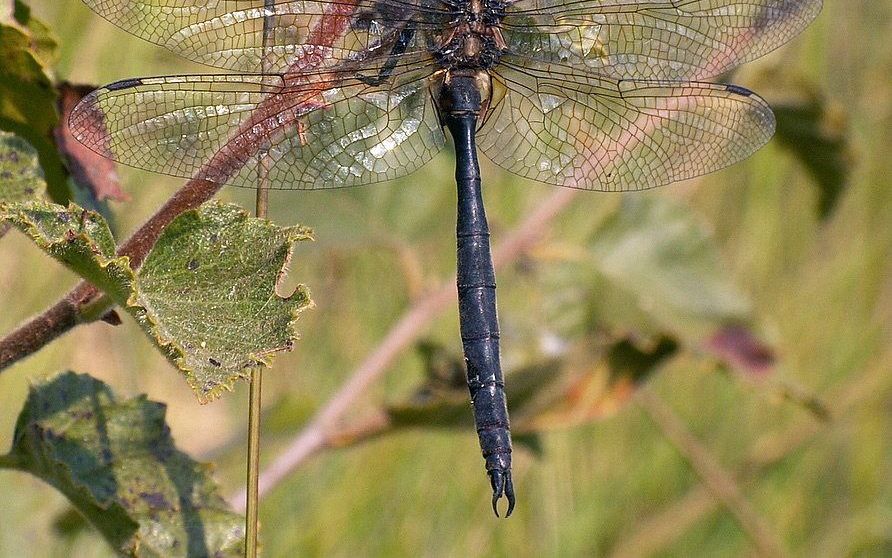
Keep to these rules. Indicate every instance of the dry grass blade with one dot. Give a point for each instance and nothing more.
(661, 529)
(720, 483)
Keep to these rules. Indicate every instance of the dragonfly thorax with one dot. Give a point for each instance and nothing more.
(474, 39)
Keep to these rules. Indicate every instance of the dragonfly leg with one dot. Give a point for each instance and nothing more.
(301, 133)
(399, 47)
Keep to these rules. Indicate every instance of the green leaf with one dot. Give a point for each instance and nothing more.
(20, 174)
(27, 95)
(42, 42)
(78, 238)
(652, 267)
(813, 127)
(206, 293)
(816, 134)
(118, 465)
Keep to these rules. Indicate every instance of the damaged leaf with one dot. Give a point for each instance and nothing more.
(117, 463)
(206, 293)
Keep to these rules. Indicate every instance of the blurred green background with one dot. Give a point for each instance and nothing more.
(816, 287)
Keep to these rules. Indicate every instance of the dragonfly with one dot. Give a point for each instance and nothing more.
(602, 95)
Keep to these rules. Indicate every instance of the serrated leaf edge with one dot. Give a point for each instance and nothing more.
(13, 213)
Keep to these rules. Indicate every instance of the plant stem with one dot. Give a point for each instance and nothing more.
(252, 522)
(37, 332)
(253, 496)
(95, 309)
(717, 480)
(253, 501)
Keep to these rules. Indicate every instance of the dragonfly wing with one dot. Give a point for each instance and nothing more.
(653, 39)
(221, 128)
(586, 132)
(300, 34)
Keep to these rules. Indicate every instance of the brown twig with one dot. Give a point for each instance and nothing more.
(717, 480)
(42, 329)
(316, 434)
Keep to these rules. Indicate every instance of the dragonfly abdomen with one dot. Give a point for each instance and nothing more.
(476, 282)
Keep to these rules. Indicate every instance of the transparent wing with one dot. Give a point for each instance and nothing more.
(598, 134)
(314, 133)
(653, 39)
(230, 34)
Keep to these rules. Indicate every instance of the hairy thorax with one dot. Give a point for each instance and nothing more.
(473, 40)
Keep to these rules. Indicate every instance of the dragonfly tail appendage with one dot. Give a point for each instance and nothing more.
(502, 485)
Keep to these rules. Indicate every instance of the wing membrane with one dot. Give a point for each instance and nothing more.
(322, 133)
(654, 39)
(229, 34)
(609, 135)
